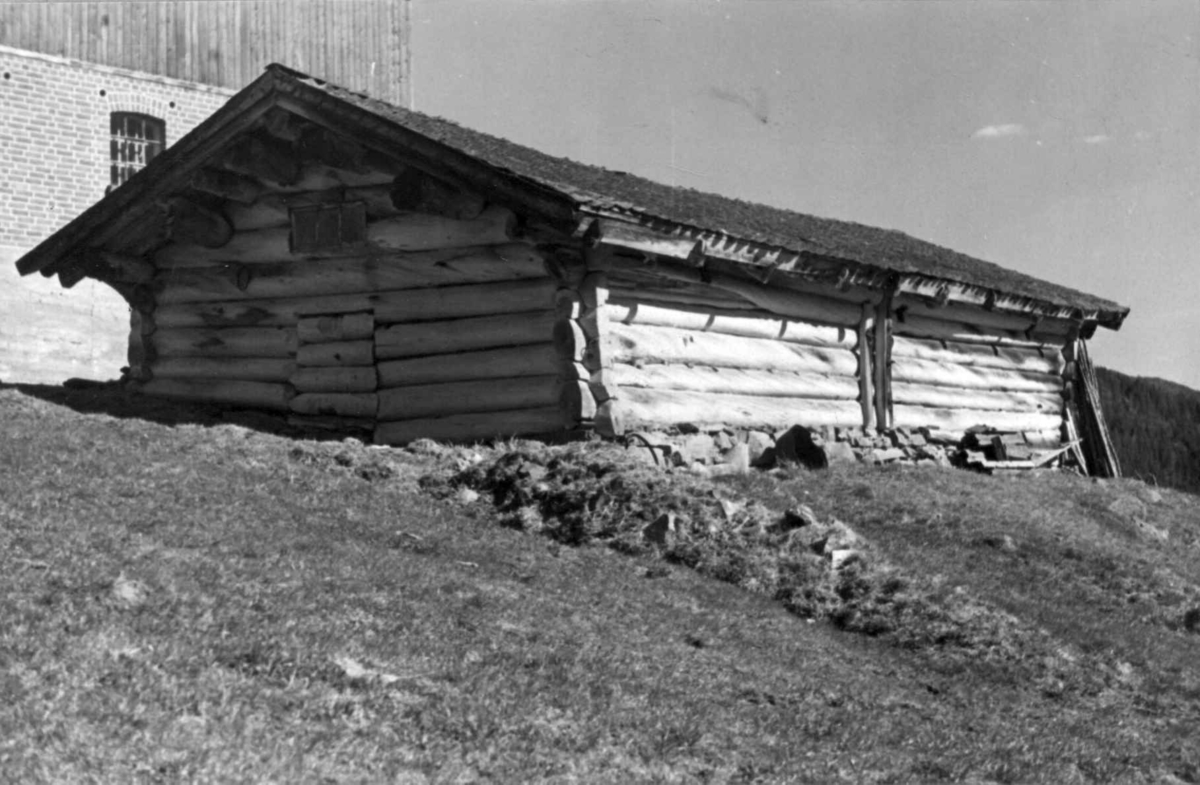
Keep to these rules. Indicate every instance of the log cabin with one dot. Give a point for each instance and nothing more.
(357, 265)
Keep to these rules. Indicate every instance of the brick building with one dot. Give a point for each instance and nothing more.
(97, 89)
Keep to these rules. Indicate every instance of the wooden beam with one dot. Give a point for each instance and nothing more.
(419, 192)
(883, 362)
(191, 223)
(866, 382)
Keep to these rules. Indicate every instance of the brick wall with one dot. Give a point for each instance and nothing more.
(54, 133)
(54, 163)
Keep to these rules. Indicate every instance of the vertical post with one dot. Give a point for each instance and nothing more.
(883, 362)
(866, 386)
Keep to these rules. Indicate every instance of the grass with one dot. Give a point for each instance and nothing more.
(189, 599)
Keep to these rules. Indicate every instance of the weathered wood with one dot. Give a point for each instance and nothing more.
(338, 354)
(981, 317)
(1039, 361)
(940, 330)
(455, 302)
(226, 185)
(189, 223)
(327, 422)
(460, 335)
(620, 293)
(577, 400)
(271, 210)
(539, 359)
(950, 397)
(225, 342)
(631, 343)
(339, 327)
(774, 329)
(417, 191)
(672, 407)
(262, 395)
(816, 308)
(351, 405)
(334, 380)
(973, 377)
(608, 421)
(573, 344)
(248, 369)
(737, 381)
(363, 275)
(866, 375)
(956, 420)
(402, 232)
(476, 427)
(881, 362)
(489, 395)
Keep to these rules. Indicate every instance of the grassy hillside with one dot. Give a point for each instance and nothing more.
(1155, 428)
(192, 598)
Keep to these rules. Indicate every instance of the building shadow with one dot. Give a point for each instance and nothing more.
(114, 399)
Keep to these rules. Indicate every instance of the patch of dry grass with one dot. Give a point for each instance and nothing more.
(206, 602)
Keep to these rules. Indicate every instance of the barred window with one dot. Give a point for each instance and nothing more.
(136, 140)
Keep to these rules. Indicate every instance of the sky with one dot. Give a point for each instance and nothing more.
(1058, 139)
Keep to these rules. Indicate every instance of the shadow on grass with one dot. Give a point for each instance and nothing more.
(111, 398)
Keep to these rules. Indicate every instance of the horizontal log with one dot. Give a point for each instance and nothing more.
(454, 302)
(262, 395)
(459, 335)
(420, 192)
(403, 232)
(334, 380)
(633, 344)
(341, 327)
(539, 359)
(973, 377)
(476, 427)
(968, 314)
(620, 294)
(226, 185)
(327, 422)
(736, 381)
(224, 342)
(192, 225)
(638, 406)
(339, 354)
(793, 303)
(924, 327)
(956, 420)
(991, 400)
(773, 329)
(362, 275)
(352, 405)
(1005, 357)
(489, 395)
(248, 369)
(272, 210)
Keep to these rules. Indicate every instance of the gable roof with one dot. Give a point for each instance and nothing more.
(570, 191)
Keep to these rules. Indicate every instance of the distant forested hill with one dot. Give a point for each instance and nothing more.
(1155, 427)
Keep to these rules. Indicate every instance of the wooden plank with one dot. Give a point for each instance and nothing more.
(974, 377)
(249, 369)
(334, 380)
(476, 427)
(224, 342)
(738, 381)
(992, 400)
(363, 275)
(454, 302)
(489, 395)
(772, 328)
(882, 362)
(539, 359)
(1047, 361)
(941, 330)
(459, 335)
(635, 343)
(337, 327)
(260, 395)
(640, 406)
(862, 350)
(339, 354)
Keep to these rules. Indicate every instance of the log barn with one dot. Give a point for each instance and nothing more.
(357, 265)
